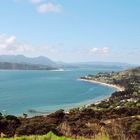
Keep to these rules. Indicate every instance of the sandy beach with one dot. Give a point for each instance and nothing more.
(118, 88)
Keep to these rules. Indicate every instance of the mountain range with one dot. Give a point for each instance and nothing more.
(44, 63)
(21, 62)
(41, 60)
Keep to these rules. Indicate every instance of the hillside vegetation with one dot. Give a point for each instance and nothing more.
(50, 136)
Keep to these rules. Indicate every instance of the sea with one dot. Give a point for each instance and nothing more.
(42, 92)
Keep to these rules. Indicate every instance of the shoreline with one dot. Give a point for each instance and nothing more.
(118, 88)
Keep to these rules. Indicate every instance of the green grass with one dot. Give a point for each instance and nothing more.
(104, 137)
(50, 136)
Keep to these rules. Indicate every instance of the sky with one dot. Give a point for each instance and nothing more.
(71, 30)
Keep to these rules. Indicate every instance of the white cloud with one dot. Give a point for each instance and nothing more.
(9, 45)
(44, 6)
(104, 50)
(36, 1)
(11, 40)
(49, 7)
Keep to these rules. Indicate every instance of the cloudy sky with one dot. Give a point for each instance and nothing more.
(71, 30)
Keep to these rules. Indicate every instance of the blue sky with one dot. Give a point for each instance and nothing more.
(72, 30)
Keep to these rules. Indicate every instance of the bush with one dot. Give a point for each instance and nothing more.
(135, 127)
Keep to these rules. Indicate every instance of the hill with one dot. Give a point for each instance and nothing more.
(20, 62)
(21, 59)
(42, 61)
(95, 64)
(19, 66)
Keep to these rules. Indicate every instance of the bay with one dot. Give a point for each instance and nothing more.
(38, 92)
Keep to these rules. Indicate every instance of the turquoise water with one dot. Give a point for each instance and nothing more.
(47, 91)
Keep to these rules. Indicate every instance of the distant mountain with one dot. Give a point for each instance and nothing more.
(94, 64)
(17, 66)
(45, 62)
(21, 59)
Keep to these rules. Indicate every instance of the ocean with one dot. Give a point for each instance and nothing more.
(42, 92)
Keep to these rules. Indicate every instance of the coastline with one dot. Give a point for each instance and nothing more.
(81, 104)
(118, 88)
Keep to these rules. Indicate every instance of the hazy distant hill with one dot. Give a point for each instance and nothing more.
(95, 64)
(17, 66)
(21, 59)
(45, 62)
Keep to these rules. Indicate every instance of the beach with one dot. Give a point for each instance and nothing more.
(118, 88)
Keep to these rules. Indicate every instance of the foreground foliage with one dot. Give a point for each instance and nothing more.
(50, 136)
